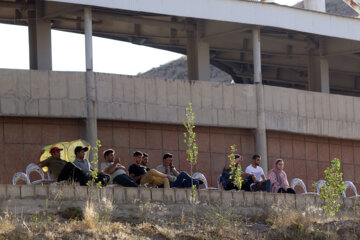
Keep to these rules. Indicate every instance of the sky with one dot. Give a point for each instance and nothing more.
(68, 52)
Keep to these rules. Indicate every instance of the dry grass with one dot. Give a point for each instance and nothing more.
(216, 222)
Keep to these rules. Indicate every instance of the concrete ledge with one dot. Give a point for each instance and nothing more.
(121, 195)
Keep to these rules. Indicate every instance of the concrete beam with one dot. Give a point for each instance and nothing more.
(244, 12)
(59, 12)
(143, 21)
(39, 39)
(17, 5)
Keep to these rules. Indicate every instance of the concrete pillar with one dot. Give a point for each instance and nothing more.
(316, 5)
(198, 58)
(88, 38)
(91, 121)
(39, 39)
(257, 55)
(203, 52)
(318, 73)
(260, 133)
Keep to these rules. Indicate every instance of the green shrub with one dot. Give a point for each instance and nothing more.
(235, 173)
(333, 188)
(190, 141)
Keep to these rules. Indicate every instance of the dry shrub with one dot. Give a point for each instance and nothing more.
(294, 224)
(72, 213)
(12, 227)
(90, 216)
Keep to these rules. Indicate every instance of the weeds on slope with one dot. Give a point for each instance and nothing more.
(211, 222)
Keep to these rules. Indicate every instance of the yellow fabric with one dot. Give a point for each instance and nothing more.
(154, 177)
(68, 150)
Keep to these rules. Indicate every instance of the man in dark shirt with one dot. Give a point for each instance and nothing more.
(228, 184)
(144, 177)
(62, 170)
(145, 161)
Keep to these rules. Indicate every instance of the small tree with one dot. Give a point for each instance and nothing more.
(333, 188)
(94, 162)
(190, 141)
(235, 172)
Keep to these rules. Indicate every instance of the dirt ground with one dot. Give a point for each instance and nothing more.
(217, 223)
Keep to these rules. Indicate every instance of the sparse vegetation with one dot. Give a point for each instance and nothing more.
(211, 222)
(94, 163)
(190, 141)
(333, 188)
(235, 173)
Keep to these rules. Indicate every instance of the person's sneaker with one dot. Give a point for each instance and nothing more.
(171, 178)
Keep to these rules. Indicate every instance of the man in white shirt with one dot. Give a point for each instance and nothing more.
(116, 171)
(260, 183)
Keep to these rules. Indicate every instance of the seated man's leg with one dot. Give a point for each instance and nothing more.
(125, 180)
(246, 183)
(103, 178)
(70, 171)
(290, 190)
(166, 183)
(230, 186)
(146, 179)
(179, 180)
(266, 186)
(155, 178)
(66, 172)
(156, 173)
(183, 180)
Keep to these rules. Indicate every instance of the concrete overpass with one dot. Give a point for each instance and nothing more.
(257, 43)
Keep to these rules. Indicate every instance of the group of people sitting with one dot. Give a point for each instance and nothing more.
(165, 175)
(80, 170)
(253, 179)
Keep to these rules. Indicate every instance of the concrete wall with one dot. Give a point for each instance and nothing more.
(42, 94)
(27, 199)
(22, 138)
(164, 101)
(306, 157)
(63, 94)
(312, 113)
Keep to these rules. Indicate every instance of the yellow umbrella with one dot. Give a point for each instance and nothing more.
(68, 153)
(71, 149)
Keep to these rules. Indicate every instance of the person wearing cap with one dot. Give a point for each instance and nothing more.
(62, 170)
(148, 178)
(84, 164)
(116, 171)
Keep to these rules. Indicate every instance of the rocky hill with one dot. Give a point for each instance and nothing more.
(177, 69)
